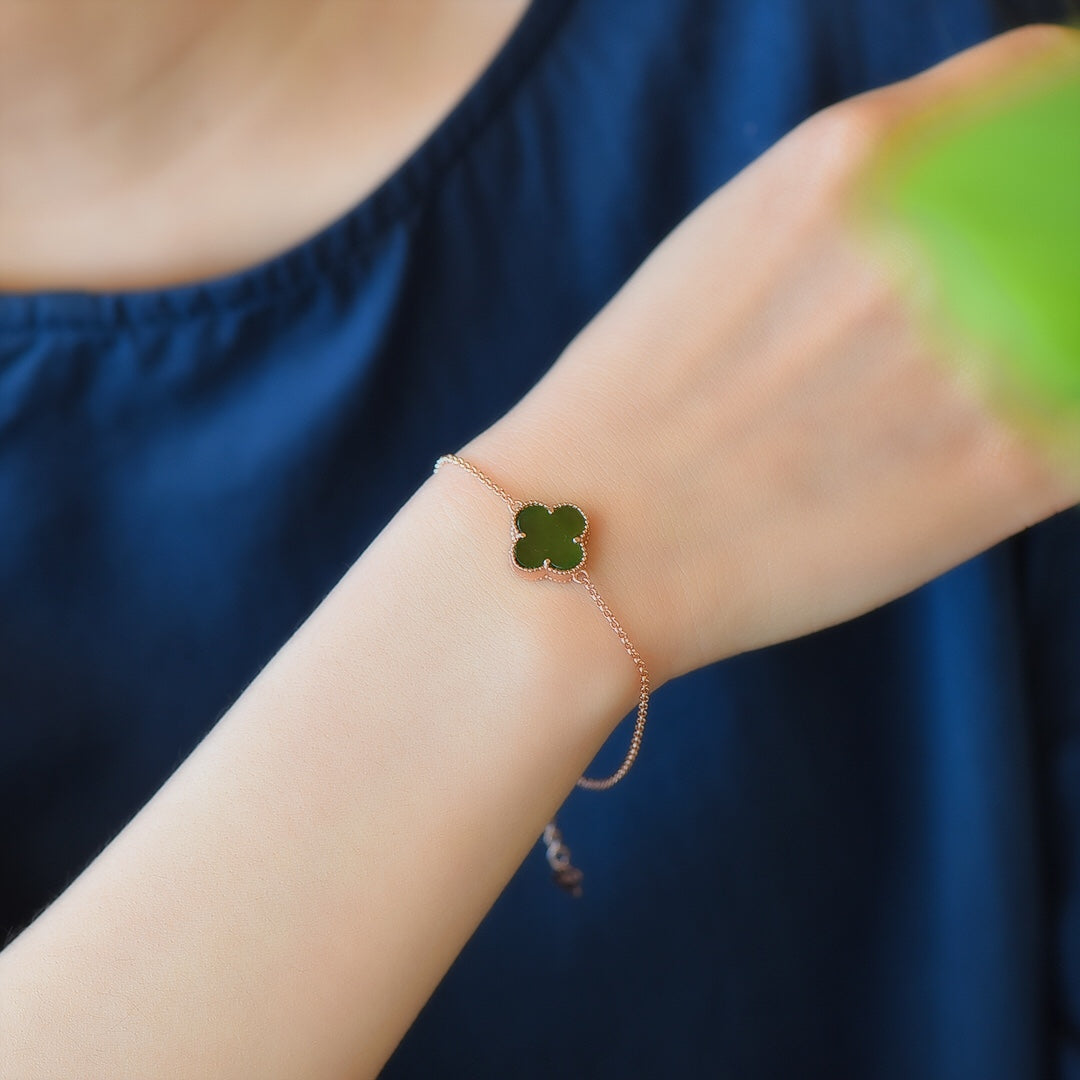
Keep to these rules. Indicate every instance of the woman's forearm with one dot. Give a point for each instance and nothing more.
(288, 900)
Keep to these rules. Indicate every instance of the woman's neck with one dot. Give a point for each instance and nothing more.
(145, 144)
(98, 94)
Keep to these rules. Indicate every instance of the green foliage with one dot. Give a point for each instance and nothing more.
(985, 192)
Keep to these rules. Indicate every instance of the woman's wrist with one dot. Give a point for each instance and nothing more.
(531, 454)
(552, 627)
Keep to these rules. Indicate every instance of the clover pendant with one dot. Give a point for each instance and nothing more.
(549, 542)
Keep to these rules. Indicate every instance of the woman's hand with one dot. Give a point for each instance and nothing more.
(764, 440)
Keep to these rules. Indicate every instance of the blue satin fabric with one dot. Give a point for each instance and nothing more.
(852, 855)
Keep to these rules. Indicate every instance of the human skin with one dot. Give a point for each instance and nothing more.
(762, 403)
(764, 445)
(145, 145)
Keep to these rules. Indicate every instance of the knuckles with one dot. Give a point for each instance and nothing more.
(833, 144)
(1035, 38)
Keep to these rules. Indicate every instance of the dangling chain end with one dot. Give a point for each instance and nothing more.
(563, 873)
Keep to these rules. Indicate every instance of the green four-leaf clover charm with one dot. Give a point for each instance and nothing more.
(549, 542)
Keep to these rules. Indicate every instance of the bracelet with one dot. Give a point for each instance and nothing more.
(549, 542)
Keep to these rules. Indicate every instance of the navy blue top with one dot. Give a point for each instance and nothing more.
(852, 855)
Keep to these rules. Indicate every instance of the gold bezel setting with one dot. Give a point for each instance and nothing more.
(546, 570)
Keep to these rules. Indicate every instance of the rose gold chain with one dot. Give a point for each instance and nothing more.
(582, 576)
(558, 854)
(514, 505)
